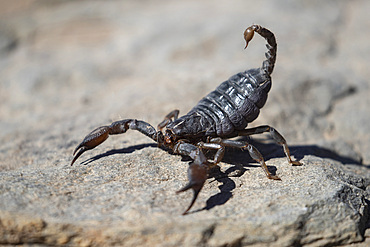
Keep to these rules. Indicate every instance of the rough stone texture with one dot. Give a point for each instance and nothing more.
(135, 204)
(67, 67)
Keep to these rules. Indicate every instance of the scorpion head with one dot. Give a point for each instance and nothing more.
(169, 139)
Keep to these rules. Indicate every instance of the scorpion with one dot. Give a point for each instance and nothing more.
(223, 114)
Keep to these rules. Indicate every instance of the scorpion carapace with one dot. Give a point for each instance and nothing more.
(222, 114)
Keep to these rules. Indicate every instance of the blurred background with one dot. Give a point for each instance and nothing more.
(67, 67)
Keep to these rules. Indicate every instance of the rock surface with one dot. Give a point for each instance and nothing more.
(67, 67)
(132, 202)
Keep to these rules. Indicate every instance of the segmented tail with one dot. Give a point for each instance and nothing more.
(269, 63)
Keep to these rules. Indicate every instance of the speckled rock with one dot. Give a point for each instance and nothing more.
(67, 67)
(131, 201)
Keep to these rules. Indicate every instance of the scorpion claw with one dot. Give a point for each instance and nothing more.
(197, 175)
(92, 140)
(81, 151)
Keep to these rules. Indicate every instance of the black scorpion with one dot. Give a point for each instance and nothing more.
(222, 114)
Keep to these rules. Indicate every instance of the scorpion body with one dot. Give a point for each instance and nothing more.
(235, 102)
(222, 114)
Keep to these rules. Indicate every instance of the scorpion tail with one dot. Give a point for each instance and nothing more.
(269, 63)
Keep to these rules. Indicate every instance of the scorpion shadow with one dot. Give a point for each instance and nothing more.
(272, 150)
(127, 150)
(240, 162)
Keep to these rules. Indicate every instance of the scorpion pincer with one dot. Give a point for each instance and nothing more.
(223, 114)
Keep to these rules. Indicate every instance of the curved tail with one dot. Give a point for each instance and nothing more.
(269, 63)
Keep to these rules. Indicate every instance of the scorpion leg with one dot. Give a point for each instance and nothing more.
(253, 152)
(99, 135)
(197, 171)
(168, 119)
(279, 139)
(216, 146)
